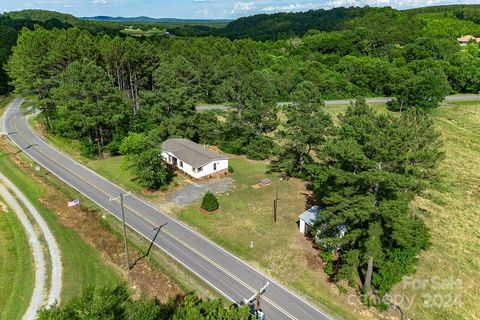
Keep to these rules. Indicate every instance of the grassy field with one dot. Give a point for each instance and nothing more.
(454, 257)
(16, 266)
(143, 33)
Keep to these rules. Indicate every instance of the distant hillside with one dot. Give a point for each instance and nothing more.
(168, 21)
(42, 15)
(451, 8)
(285, 25)
(281, 25)
(63, 20)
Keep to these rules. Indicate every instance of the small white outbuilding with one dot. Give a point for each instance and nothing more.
(308, 218)
(195, 160)
(321, 234)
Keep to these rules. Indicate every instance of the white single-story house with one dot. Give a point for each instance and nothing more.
(195, 160)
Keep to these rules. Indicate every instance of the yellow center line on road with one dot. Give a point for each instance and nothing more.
(152, 224)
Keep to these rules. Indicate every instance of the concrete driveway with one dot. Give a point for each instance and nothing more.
(195, 192)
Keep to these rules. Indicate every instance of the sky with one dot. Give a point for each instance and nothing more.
(204, 9)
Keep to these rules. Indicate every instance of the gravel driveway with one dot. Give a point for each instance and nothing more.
(195, 192)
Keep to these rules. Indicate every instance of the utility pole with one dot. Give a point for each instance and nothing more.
(256, 297)
(124, 229)
(127, 260)
(275, 202)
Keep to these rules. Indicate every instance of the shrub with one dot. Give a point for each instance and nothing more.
(349, 267)
(328, 261)
(210, 202)
(88, 149)
(230, 169)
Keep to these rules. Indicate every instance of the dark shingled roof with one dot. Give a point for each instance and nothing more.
(190, 152)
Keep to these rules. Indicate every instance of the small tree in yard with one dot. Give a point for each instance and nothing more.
(210, 202)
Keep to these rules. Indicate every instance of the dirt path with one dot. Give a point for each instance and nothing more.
(37, 300)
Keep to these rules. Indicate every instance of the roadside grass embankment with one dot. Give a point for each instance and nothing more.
(81, 264)
(17, 270)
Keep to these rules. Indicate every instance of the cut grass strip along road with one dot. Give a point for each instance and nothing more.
(54, 252)
(37, 298)
(227, 274)
(17, 269)
(82, 265)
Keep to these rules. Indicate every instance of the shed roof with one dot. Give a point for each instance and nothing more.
(467, 38)
(191, 152)
(311, 215)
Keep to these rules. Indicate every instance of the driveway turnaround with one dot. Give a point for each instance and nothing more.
(224, 272)
(37, 300)
(195, 191)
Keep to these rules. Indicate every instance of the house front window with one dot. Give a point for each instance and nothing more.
(181, 164)
(215, 167)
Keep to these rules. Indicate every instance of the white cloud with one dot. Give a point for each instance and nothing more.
(239, 7)
(293, 7)
(99, 2)
(342, 3)
(203, 13)
(416, 3)
(302, 6)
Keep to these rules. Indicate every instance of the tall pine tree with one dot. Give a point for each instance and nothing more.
(367, 175)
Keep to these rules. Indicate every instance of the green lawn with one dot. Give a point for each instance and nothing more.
(245, 227)
(16, 267)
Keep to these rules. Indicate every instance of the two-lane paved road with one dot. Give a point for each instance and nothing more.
(466, 97)
(225, 273)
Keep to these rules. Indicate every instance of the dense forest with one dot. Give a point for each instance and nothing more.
(11, 23)
(120, 95)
